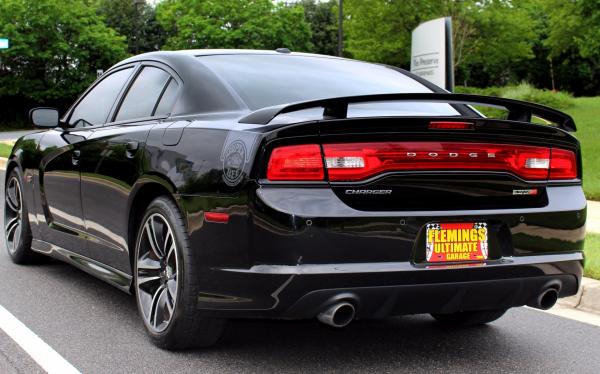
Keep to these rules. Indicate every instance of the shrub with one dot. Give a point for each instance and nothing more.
(525, 92)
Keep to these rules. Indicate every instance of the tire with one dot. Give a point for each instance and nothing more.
(17, 232)
(469, 318)
(166, 281)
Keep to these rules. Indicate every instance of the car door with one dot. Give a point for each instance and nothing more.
(111, 162)
(60, 166)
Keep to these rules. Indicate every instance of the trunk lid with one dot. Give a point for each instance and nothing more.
(424, 167)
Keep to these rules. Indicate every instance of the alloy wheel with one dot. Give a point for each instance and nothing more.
(12, 214)
(156, 280)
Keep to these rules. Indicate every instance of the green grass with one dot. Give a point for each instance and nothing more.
(586, 113)
(5, 149)
(592, 256)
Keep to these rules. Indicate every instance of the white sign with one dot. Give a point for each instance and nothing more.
(4, 44)
(431, 52)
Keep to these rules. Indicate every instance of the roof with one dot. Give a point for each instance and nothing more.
(168, 55)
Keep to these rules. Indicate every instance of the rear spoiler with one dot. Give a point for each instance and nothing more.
(337, 108)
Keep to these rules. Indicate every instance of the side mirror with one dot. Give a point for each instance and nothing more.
(44, 117)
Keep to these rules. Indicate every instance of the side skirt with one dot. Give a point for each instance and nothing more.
(108, 274)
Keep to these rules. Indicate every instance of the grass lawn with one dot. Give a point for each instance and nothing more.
(592, 256)
(5, 149)
(586, 113)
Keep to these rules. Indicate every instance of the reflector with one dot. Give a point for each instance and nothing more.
(216, 217)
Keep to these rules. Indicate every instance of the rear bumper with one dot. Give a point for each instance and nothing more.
(382, 289)
(295, 250)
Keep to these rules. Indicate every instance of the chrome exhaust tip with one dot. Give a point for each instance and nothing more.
(338, 315)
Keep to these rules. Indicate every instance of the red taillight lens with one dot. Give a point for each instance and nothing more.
(563, 164)
(359, 161)
(296, 163)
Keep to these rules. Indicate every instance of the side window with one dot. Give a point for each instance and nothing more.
(165, 106)
(94, 108)
(143, 94)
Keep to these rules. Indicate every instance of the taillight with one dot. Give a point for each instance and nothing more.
(296, 163)
(563, 164)
(360, 161)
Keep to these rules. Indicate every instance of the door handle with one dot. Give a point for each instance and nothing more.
(131, 148)
(75, 157)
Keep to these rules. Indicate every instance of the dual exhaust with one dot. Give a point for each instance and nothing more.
(342, 313)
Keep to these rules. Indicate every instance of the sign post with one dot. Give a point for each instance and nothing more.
(431, 52)
(4, 43)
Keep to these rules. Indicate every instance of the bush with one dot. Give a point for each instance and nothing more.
(525, 92)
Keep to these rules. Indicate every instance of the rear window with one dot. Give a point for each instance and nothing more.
(267, 80)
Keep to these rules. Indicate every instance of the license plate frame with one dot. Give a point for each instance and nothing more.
(452, 242)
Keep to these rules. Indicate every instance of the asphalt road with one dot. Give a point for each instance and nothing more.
(96, 328)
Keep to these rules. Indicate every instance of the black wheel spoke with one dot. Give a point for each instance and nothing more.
(10, 202)
(169, 302)
(151, 235)
(156, 279)
(148, 281)
(172, 288)
(12, 225)
(169, 246)
(157, 306)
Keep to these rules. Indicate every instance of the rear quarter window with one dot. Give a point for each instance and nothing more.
(144, 93)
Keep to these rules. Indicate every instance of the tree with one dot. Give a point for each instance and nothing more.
(257, 24)
(380, 30)
(322, 18)
(56, 48)
(500, 41)
(490, 36)
(574, 44)
(136, 20)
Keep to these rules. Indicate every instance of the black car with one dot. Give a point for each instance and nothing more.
(218, 184)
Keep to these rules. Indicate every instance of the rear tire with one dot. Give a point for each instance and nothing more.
(469, 318)
(166, 281)
(17, 232)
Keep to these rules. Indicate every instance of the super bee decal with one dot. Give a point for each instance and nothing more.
(236, 155)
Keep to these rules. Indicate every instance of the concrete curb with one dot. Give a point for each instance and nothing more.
(593, 217)
(587, 299)
(3, 161)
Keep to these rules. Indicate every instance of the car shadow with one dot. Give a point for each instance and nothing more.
(408, 343)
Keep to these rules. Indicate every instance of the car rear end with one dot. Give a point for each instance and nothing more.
(418, 215)
(426, 212)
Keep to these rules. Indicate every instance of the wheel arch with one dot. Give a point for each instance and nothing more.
(147, 188)
(11, 164)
